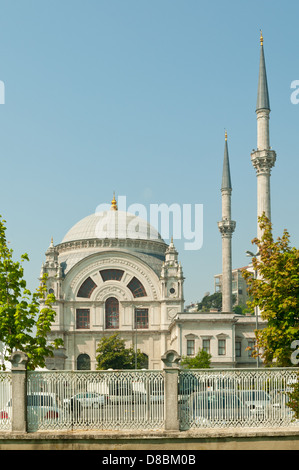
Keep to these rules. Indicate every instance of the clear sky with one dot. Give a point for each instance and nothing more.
(134, 96)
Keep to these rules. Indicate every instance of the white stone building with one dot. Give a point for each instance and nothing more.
(239, 285)
(119, 283)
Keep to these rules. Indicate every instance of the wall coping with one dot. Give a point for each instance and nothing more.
(152, 435)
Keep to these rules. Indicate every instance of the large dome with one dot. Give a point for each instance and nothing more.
(112, 224)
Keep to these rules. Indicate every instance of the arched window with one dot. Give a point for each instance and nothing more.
(87, 288)
(83, 362)
(112, 313)
(111, 274)
(136, 288)
(144, 363)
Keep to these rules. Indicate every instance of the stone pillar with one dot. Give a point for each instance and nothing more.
(263, 161)
(19, 362)
(226, 228)
(263, 135)
(171, 402)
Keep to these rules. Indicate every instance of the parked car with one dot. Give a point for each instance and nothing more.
(262, 406)
(208, 406)
(123, 392)
(255, 399)
(87, 400)
(40, 405)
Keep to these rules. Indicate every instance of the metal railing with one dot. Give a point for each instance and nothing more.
(170, 399)
(95, 400)
(5, 401)
(236, 398)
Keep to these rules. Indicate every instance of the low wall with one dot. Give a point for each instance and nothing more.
(161, 441)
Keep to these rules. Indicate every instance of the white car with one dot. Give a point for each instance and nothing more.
(41, 406)
(87, 400)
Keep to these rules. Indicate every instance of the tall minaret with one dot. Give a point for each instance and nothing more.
(263, 159)
(227, 228)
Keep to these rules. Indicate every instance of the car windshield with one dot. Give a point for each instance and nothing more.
(216, 399)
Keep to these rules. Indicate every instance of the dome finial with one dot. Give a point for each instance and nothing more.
(225, 135)
(113, 203)
(261, 38)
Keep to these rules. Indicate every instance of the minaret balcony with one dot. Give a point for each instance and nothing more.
(226, 227)
(263, 161)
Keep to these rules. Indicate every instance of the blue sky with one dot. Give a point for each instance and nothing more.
(134, 96)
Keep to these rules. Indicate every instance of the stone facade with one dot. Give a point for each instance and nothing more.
(143, 277)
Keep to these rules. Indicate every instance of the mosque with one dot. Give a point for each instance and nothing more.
(134, 286)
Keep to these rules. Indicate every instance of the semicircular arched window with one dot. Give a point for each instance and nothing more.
(112, 313)
(87, 288)
(111, 274)
(83, 362)
(136, 288)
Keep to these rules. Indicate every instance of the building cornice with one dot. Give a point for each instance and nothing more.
(122, 243)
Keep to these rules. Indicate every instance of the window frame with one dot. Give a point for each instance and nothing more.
(82, 321)
(143, 323)
(190, 347)
(111, 274)
(86, 289)
(208, 347)
(137, 288)
(222, 347)
(111, 317)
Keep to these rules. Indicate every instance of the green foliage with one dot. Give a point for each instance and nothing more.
(113, 354)
(213, 301)
(241, 309)
(202, 360)
(276, 293)
(20, 312)
(293, 402)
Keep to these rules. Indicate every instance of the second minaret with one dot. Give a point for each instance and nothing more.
(226, 228)
(263, 158)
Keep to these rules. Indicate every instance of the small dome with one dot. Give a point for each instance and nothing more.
(112, 224)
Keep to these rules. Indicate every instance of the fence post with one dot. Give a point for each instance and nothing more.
(171, 402)
(19, 391)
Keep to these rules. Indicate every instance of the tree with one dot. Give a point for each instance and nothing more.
(241, 309)
(202, 360)
(213, 301)
(20, 312)
(275, 290)
(113, 354)
(293, 402)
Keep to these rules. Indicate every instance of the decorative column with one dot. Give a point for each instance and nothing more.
(19, 362)
(171, 369)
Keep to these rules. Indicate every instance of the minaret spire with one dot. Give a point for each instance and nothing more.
(226, 227)
(263, 159)
(263, 101)
(226, 179)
